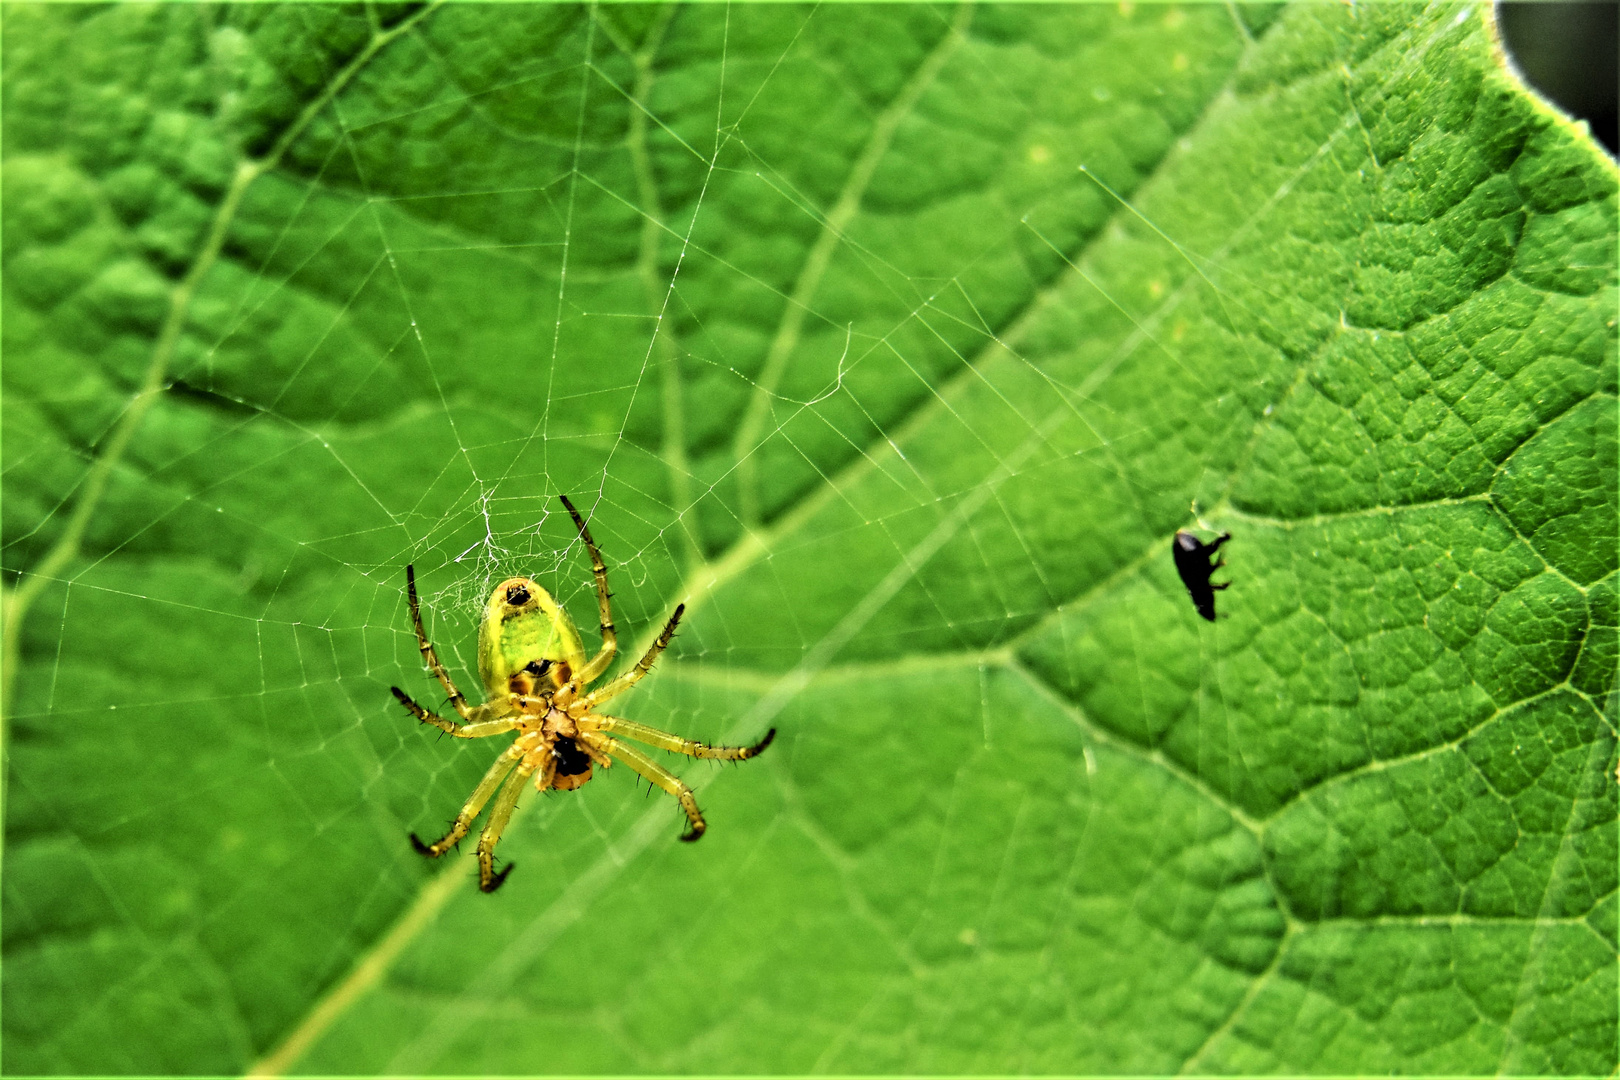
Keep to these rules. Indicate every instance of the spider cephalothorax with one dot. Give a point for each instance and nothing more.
(536, 680)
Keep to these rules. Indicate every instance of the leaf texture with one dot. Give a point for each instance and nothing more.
(897, 342)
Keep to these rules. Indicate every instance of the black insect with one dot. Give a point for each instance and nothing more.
(1192, 563)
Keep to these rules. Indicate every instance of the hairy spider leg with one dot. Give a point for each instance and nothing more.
(473, 729)
(654, 773)
(644, 665)
(430, 657)
(610, 640)
(469, 810)
(614, 725)
(499, 815)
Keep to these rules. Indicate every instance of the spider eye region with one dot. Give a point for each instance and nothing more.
(572, 766)
(571, 760)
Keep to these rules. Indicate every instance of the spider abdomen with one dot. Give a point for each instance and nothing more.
(525, 635)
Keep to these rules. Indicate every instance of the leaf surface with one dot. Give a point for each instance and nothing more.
(897, 342)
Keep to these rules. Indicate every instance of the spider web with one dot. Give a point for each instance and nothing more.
(896, 342)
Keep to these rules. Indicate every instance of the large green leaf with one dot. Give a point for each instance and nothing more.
(897, 342)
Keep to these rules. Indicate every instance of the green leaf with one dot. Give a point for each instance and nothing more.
(896, 342)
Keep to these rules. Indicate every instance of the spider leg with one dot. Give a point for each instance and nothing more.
(430, 657)
(654, 773)
(674, 743)
(499, 815)
(473, 729)
(644, 665)
(610, 640)
(469, 810)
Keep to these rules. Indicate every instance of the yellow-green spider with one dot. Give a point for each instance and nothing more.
(536, 681)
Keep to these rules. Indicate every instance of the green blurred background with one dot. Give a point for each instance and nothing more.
(1568, 53)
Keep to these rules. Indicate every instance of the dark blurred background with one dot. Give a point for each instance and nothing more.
(1568, 52)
